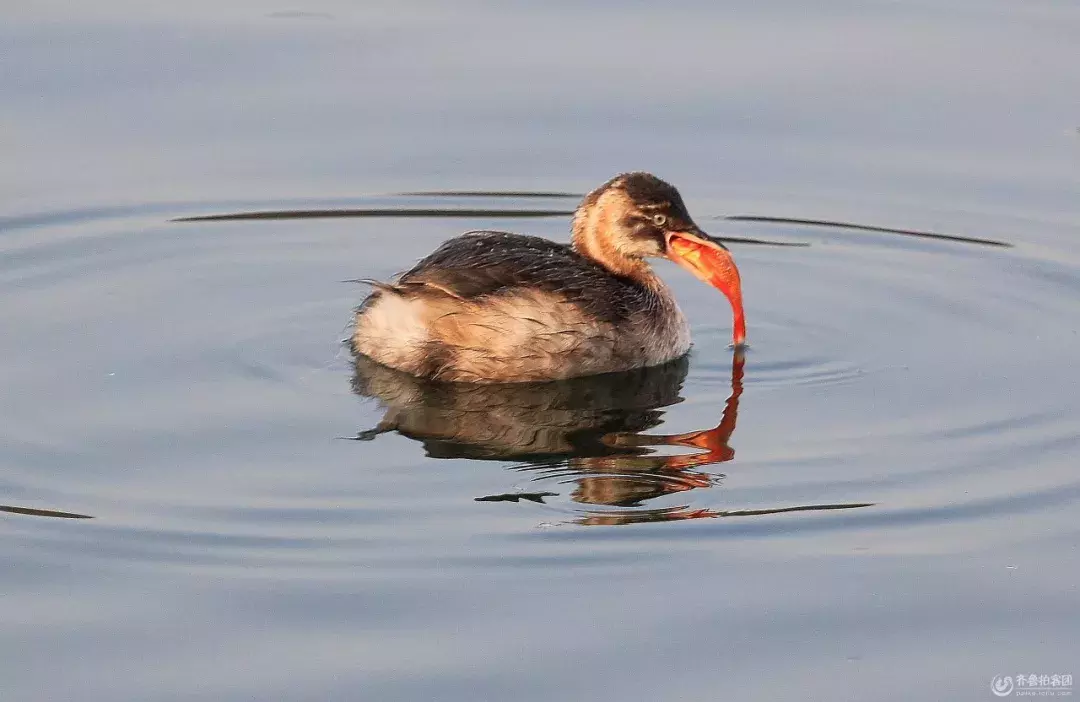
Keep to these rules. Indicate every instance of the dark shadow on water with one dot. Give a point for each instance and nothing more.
(29, 511)
(62, 217)
(402, 212)
(759, 242)
(866, 228)
(526, 213)
(587, 432)
(428, 212)
(492, 193)
(537, 497)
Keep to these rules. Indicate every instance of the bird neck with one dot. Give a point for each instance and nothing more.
(592, 238)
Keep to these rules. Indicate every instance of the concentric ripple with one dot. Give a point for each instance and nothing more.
(183, 384)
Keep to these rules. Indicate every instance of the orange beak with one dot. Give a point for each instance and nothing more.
(712, 263)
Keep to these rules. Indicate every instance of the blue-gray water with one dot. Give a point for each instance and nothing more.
(183, 383)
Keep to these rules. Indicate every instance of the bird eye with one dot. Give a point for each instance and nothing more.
(659, 219)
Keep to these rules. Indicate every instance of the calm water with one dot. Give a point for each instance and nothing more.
(205, 499)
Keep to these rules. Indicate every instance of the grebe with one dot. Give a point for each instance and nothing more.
(495, 307)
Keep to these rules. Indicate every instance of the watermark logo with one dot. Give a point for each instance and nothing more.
(1002, 685)
(1032, 685)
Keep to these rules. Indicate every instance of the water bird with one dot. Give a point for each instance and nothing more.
(498, 307)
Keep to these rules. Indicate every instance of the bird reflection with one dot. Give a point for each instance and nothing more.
(590, 432)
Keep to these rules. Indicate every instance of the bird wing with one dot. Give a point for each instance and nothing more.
(485, 262)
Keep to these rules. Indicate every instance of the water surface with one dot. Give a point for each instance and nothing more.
(205, 497)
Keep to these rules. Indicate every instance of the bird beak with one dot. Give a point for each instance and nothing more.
(712, 263)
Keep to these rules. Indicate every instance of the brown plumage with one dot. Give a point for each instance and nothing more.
(497, 307)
